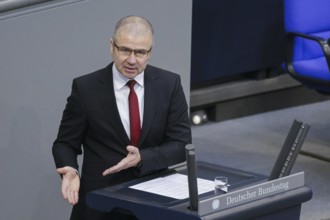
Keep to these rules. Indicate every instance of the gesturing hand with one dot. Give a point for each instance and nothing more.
(70, 184)
(132, 159)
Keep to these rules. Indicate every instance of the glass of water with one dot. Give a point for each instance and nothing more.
(221, 184)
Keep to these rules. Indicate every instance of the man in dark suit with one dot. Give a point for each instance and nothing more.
(96, 117)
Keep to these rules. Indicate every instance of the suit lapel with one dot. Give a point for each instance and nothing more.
(150, 102)
(109, 104)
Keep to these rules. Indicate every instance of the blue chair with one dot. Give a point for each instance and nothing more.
(307, 24)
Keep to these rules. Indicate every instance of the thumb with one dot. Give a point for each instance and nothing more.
(61, 170)
(132, 149)
(66, 169)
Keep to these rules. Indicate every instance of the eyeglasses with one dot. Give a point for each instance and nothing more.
(125, 51)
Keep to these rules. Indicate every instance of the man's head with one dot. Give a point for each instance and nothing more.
(131, 45)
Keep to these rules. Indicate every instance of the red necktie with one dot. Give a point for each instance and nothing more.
(134, 115)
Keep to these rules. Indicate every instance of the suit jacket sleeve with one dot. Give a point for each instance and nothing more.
(71, 131)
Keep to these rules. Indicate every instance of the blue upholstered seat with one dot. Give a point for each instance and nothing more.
(307, 23)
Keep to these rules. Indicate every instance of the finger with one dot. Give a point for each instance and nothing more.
(61, 170)
(111, 170)
(76, 197)
(65, 193)
(64, 170)
(132, 149)
(64, 189)
(73, 198)
(116, 168)
(69, 197)
(133, 155)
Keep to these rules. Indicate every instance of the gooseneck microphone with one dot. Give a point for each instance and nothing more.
(192, 177)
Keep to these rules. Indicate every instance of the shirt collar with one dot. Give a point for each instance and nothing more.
(120, 80)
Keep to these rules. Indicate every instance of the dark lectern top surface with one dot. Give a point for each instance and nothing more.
(236, 179)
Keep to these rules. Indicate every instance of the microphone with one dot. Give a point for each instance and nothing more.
(192, 177)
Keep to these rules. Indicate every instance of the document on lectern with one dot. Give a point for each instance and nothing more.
(173, 186)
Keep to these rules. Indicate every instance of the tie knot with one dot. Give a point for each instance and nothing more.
(131, 83)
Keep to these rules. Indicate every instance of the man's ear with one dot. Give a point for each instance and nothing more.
(111, 45)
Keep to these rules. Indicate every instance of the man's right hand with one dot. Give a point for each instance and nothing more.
(70, 184)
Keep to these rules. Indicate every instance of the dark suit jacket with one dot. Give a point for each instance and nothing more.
(91, 119)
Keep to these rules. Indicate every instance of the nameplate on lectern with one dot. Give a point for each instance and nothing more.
(250, 194)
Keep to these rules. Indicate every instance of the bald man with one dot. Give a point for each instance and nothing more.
(96, 121)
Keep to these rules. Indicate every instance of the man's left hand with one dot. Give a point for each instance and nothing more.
(132, 159)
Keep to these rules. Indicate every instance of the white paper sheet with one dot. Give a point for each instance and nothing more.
(174, 186)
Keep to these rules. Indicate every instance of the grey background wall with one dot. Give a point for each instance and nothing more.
(40, 53)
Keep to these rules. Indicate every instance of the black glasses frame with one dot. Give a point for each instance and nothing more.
(125, 51)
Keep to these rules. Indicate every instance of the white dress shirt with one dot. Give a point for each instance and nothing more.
(122, 92)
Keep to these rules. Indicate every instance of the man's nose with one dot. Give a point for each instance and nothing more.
(131, 58)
